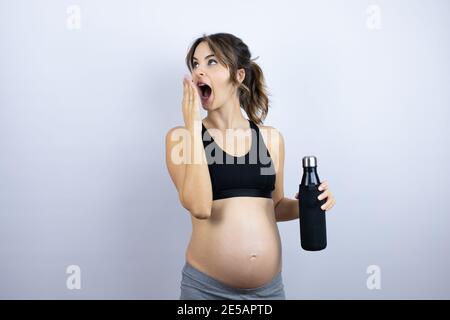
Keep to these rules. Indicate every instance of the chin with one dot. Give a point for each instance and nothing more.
(207, 106)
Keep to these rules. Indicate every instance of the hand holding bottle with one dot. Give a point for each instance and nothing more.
(326, 194)
(312, 206)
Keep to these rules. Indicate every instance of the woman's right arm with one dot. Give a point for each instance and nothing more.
(186, 159)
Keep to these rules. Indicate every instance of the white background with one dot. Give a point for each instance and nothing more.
(84, 113)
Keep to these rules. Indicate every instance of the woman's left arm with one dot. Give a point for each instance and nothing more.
(285, 208)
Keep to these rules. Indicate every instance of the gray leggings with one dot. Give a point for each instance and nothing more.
(197, 285)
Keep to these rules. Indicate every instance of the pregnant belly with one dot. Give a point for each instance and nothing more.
(239, 244)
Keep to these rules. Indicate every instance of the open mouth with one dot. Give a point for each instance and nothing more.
(205, 90)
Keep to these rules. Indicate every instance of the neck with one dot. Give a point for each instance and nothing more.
(228, 116)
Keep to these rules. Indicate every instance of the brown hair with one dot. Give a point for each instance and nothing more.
(234, 54)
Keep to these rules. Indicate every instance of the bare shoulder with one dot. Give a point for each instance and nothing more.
(270, 129)
(274, 142)
(272, 138)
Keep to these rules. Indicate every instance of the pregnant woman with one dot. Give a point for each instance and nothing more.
(228, 171)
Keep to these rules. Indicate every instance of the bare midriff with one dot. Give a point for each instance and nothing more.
(239, 245)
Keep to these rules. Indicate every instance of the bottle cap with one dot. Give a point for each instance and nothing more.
(309, 161)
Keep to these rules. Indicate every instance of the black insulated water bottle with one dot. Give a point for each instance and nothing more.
(313, 235)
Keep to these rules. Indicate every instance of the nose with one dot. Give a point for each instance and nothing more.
(199, 71)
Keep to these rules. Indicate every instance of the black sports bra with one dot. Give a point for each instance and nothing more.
(250, 175)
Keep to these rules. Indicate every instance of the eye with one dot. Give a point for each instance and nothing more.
(195, 62)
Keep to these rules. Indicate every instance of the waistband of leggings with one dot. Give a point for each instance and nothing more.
(195, 274)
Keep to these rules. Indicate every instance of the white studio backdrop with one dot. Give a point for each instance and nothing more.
(88, 90)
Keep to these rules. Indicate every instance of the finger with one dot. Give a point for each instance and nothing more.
(192, 94)
(327, 204)
(323, 185)
(187, 77)
(189, 97)
(323, 195)
(185, 97)
(333, 201)
(332, 204)
(184, 88)
(194, 91)
(195, 98)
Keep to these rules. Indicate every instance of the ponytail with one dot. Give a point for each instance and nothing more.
(253, 94)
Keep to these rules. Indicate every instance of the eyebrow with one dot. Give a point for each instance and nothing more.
(211, 55)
